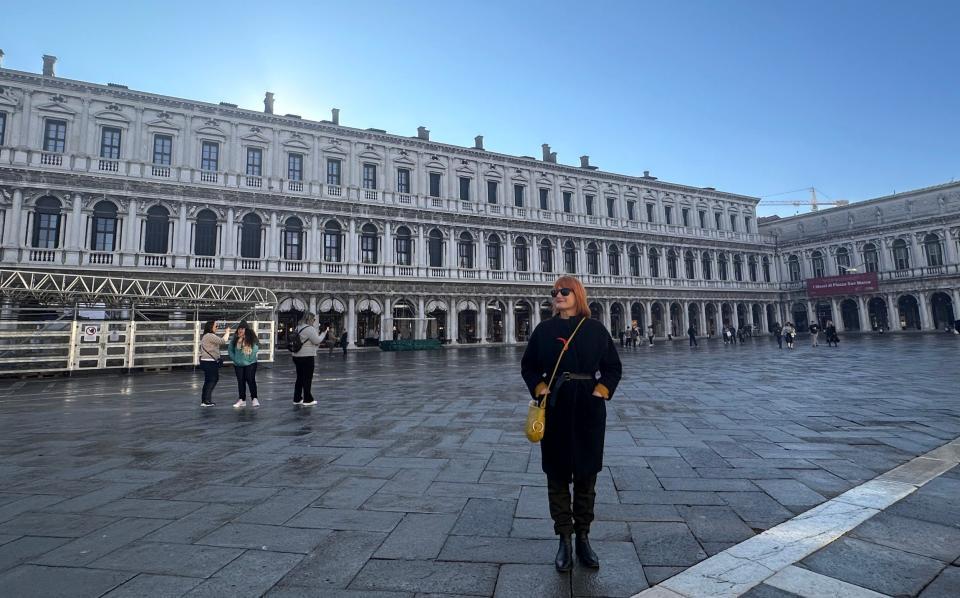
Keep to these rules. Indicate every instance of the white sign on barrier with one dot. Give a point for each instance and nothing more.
(91, 332)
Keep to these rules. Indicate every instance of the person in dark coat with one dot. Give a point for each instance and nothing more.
(572, 445)
(692, 333)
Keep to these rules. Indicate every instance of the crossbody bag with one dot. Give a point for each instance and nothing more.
(537, 409)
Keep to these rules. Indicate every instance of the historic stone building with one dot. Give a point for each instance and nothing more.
(907, 243)
(380, 234)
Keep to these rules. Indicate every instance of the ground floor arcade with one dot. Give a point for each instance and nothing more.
(900, 310)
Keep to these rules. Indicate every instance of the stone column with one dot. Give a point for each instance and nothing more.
(812, 313)
(509, 323)
(893, 313)
(482, 320)
(703, 318)
(74, 228)
(351, 322)
(956, 303)
(387, 257)
(835, 314)
(607, 316)
(273, 239)
(13, 235)
(453, 325)
(508, 261)
(949, 250)
(229, 234)
(916, 258)
(535, 315)
(420, 332)
(453, 260)
(863, 309)
(926, 321)
(386, 331)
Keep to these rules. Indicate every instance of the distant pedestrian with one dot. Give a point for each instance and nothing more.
(243, 353)
(789, 334)
(210, 360)
(304, 359)
(831, 333)
(343, 342)
(692, 333)
(622, 336)
(650, 335)
(634, 336)
(778, 333)
(733, 335)
(814, 335)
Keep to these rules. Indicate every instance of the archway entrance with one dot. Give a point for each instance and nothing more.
(467, 322)
(757, 323)
(596, 311)
(711, 311)
(676, 319)
(617, 324)
(522, 321)
(289, 312)
(741, 316)
(657, 319)
(726, 315)
(799, 315)
(330, 312)
(850, 312)
(546, 310)
(437, 326)
(495, 315)
(824, 312)
(909, 312)
(403, 322)
(636, 315)
(693, 317)
(877, 311)
(771, 317)
(941, 307)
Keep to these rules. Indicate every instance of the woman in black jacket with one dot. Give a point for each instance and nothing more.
(572, 445)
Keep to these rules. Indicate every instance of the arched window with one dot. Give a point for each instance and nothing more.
(570, 257)
(816, 259)
(738, 268)
(634, 259)
(793, 264)
(103, 227)
(613, 259)
(901, 255)
(933, 250)
(871, 258)
(465, 250)
(520, 255)
(752, 267)
(403, 246)
(707, 265)
(332, 242)
(722, 266)
(435, 248)
(293, 239)
(672, 264)
(205, 235)
(369, 243)
(843, 260)
(689, 265)
(157, 230)
(593, 259)
(46, 223)
(653, 257)
(250, 237)
(494, 252)
(766, 269)
(546, 256)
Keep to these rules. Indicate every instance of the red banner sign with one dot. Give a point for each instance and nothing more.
(848, 284)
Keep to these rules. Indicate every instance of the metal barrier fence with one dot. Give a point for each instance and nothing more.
(32, 347)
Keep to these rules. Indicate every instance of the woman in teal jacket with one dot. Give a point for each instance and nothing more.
(243, 353)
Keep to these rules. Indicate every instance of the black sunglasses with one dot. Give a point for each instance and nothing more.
(564, 291)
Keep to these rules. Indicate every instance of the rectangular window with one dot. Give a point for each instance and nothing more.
(733, 222)
(110, 143)
(369, 176)
(292, 244)
(464, 188)
(703, 218)
(162, 150)
(491, 191)
(611, 207)
(403, 249)
(55, 136)
(631, 210)
(518, 192)
(746, 224)
(650, 212)
(434, 184)
(333, 171)
(718, 220)
(47, 231)
(567, 202)
(685, 215)
(403, 180)
(104, 231)
(210, 156)
(295, 167)
(3, 126)
(668, 214)
(588, 201)
(254, 161)
(544, 199)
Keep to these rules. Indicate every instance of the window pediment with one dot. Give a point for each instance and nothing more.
(58, 109)
(210, 131)
(296, 144)
(255, 137)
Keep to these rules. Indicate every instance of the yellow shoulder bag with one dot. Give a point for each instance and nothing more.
(537, 409)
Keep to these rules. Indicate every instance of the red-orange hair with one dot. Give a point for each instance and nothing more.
(579, 292)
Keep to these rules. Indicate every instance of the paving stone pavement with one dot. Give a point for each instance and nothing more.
(412, 476)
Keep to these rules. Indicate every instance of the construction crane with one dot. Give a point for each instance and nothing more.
(813, 202)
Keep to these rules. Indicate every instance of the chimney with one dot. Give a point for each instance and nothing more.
(584, 161)
(268, 102)
(1, 59)
(546, 152)
(423, 133)
(48, 63)
(478, 142)
(335, 116)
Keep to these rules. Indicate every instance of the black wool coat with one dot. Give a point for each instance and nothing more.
(576, 420)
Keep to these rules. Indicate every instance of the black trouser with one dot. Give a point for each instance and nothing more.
(211, 375)
(301, 389)
(779, 341)
(247, 376)
(574, 515)
(693, 340)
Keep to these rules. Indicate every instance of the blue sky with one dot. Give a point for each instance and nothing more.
(856, 98)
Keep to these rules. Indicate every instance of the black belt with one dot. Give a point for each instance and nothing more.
(564, 377)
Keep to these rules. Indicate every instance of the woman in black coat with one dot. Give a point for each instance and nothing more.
(572, 445)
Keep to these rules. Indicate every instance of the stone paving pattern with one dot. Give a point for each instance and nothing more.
(412, 476)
